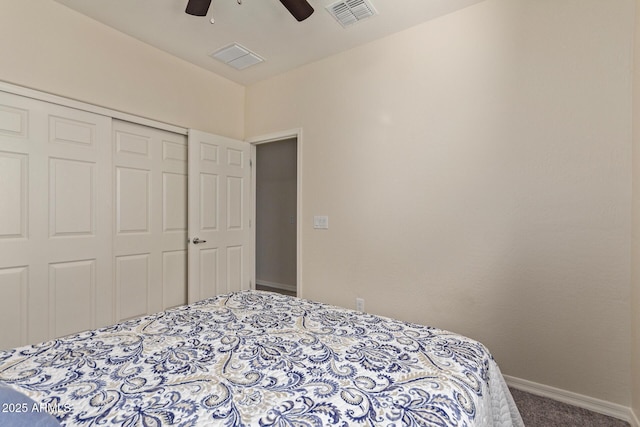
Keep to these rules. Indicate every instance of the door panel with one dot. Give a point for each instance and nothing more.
(14, 121)
(208, 201)
(174, 272)
(133, 197)
(133, 285)
(72, 205)
(13, 305)
(174, 202)
(55, 220)
(219, 206)
(150, 219)
(68, 283)
(14, 214)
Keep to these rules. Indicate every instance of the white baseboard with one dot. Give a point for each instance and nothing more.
(575, 399)
(284, 287)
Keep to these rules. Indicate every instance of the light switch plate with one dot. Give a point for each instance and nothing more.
(321, 222)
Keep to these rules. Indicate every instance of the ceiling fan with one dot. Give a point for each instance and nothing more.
(300, 9)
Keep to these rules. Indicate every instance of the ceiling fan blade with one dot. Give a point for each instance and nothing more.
(300, 9)
(198, 7)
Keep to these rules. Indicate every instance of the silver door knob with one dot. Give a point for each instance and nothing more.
(198, 241)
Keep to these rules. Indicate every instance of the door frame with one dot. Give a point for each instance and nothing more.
(274, 137)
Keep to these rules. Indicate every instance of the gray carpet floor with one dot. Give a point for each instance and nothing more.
(539, 411)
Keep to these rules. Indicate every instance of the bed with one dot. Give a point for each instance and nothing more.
(255, 358)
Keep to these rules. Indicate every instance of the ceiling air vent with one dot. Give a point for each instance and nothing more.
(348, 12)
(237, 56)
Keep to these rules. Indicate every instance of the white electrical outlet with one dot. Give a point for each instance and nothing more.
(360, 304)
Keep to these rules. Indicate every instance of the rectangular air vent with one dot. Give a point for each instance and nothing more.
(348, 12)
(238, 57)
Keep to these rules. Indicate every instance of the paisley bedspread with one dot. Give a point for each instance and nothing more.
(256, 358)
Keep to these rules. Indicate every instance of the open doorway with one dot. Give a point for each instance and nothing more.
(276, 187)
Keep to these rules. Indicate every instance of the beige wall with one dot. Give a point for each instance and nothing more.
(635, 282)
(476, 170)
(46, 46)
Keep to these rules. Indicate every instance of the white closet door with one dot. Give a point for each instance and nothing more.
(55, 221)
(150, 243)
(222, 258)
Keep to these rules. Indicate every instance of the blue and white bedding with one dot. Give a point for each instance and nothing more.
(261, 359)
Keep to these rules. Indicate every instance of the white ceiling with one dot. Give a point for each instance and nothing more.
(263, 26)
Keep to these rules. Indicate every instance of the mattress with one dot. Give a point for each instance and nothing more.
(255, 358)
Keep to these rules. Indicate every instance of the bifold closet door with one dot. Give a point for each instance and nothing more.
(55, 221)
(150, 243)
